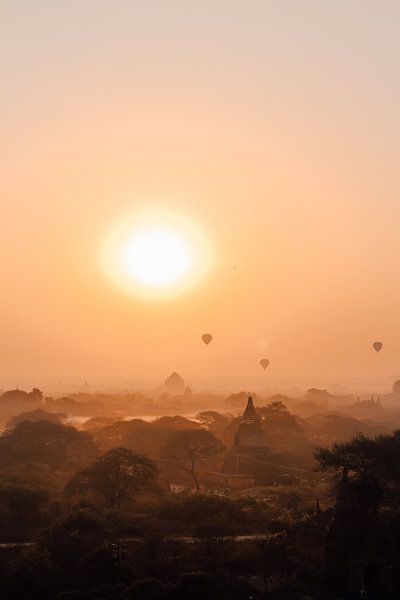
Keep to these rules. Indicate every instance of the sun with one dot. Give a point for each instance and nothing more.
(156, 254)
(156, 257)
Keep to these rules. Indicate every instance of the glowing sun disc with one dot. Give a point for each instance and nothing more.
(155, 254)
(156, 257)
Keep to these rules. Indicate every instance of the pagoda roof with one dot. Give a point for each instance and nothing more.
(250, 412)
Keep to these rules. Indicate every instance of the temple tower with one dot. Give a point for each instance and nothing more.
(250, 433)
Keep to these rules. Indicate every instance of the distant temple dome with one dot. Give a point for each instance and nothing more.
(174, 384)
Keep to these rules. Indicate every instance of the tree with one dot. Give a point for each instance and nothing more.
(222, 426)
(36, 395)
(45, 442)
(290, 501)
(276, 416)
(285, 434)
(29, 575)
(272, 552)
(116, 476)
(211, 418)
(275, 409)
(188, 447)
(99, 567)
(78, 535)
(140, 436)
(18, 395)
(239, 399)
(379, 456)
(23, 503)
(202, 584)
(372, 466)
(151, 589)
(193, 508)
(35, 415)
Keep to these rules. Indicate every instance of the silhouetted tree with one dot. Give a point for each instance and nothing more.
(379, 456)
(151, 589)
(373, 465)
(45, 442)
(29, 576)
(116, 476)
(193, 508)
(222, 426)
(35, 415)
(98, 567)
(277, 417)
(212, 585)
(18, 395)
(239, 399)
(36, 395)
(188, 447)
(74, 538)
(211, 417)
(24, 504)
(140, 436)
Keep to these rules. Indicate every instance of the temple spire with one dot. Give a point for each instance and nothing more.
(250, 412)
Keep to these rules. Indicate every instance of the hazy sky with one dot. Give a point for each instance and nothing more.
(272, 124)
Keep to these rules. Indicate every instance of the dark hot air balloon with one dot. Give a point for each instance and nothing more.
(264, 362)
(377, 346)
(206, 337)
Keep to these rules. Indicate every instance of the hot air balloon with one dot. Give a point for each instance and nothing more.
(264, 362)
(206, 337)
(377, 346)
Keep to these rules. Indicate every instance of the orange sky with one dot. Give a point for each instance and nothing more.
(273, 125)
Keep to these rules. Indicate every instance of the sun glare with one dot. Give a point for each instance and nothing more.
(156, 255)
